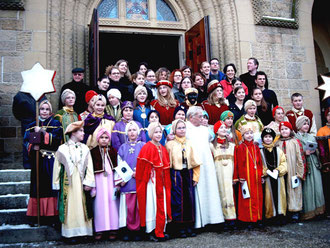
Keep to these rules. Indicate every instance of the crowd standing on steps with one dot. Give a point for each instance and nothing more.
(159, 155)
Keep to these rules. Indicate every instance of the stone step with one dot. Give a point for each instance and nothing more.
(13, 216)
(11, 201)
(14, 175)
(14, 188)
(10, 234)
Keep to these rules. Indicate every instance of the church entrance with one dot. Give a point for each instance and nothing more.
(156, 50)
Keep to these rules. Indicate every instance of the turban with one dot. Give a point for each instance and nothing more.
(65, 94)
(99, 98)
(245, 128)
(114, 92)
(101, 132)
(248, 104)
(226, 114)
(286, 124)
(274, 110)
(175, 124)
(89, 95)
(217, 125)
(301, 120)
(132, 123)
(177, 109)
(138, 89)
(152, 127)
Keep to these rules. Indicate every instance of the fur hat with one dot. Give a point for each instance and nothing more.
(65, 94)
(269, 131)
(74, 126)
(114, 92)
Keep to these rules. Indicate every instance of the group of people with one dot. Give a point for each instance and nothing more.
(167, 153)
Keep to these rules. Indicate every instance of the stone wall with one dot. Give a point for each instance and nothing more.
(22, 43)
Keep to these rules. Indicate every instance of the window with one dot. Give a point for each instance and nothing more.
(164, 12)
(108, 9)
(137, 9)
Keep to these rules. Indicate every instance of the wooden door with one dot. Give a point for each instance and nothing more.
(197, 41)
(93, 54)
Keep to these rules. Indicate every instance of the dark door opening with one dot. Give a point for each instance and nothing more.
(156, 50)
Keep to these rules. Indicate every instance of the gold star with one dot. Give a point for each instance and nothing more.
(325, 87)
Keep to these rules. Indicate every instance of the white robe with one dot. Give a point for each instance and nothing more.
(207, 197)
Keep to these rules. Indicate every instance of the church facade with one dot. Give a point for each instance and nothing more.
(291, 44)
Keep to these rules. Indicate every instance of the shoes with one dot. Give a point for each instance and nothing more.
(112, 236)
(182, 233)
(98, 236)
(191, 233)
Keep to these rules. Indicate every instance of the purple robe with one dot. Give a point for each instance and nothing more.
(119, 137)
(91, 123)
(129, 211)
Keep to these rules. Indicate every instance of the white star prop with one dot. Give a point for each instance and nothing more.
(325, 87)
(38, 81)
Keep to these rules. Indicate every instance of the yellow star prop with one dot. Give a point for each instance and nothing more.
(325, 87)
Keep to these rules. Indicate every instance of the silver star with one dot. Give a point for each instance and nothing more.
(131, 150)
(325, 87)
(38, 81)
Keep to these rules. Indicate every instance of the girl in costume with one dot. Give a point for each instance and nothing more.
(215, 103)
(138, 78)
(184, 177)
(66, 115)
(165, 103)
(274, 170)
(232, 134)
(89, 100)
(106, 209)
(250, 107)
(278, 115)
(248, 172)
(72, 176)
(264, 110)
(97, 120)
(223, 154)
(154, 116)
(129, 217)
(51, 136)
(296, 169)
(141, 107)
(313, 198)
(119, 137)
(153, 184)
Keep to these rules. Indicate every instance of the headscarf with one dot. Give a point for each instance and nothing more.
(101, 132)
(132, 123)
(175, 124)
(301, 120)
(152, 127)
(65, 94)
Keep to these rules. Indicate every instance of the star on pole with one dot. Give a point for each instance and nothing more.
(325, 87)
(38, 81)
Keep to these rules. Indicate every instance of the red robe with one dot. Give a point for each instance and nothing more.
(153, 159)
(250, 209)
(213, 111)
(166, 113)
(292, 117)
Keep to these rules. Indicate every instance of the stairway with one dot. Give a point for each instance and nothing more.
(14, 196)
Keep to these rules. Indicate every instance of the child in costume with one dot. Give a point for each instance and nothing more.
(106, 209)
(223, 154)
(232, 134)
(114, 109)
(72, 176)
(275, 167)
(141, 107)
(153, 184)
(129, 216)
(90, 102)
(296, 169)
(119, 137)
(313, 199)
(248, 172)
(184, 177)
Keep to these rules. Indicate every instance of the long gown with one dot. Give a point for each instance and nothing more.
(153, 188)
(129, 211)
(248, 166)
(207, 196)
(224, 166)
(73, 168)
(106, 209)
(51, 141)
(275, 194)
(295, 163)
(313, 198)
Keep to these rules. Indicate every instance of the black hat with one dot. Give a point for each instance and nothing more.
(177, 109)
(269, 131)
(78, 70)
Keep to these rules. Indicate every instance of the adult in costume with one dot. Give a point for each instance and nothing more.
(153, 184)
(313, 199)
(51, 133)
(184, 176)
(106, 209)
(274, 161)
(73, 173)
(67, 115)
(207, 200)
(97, 120)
